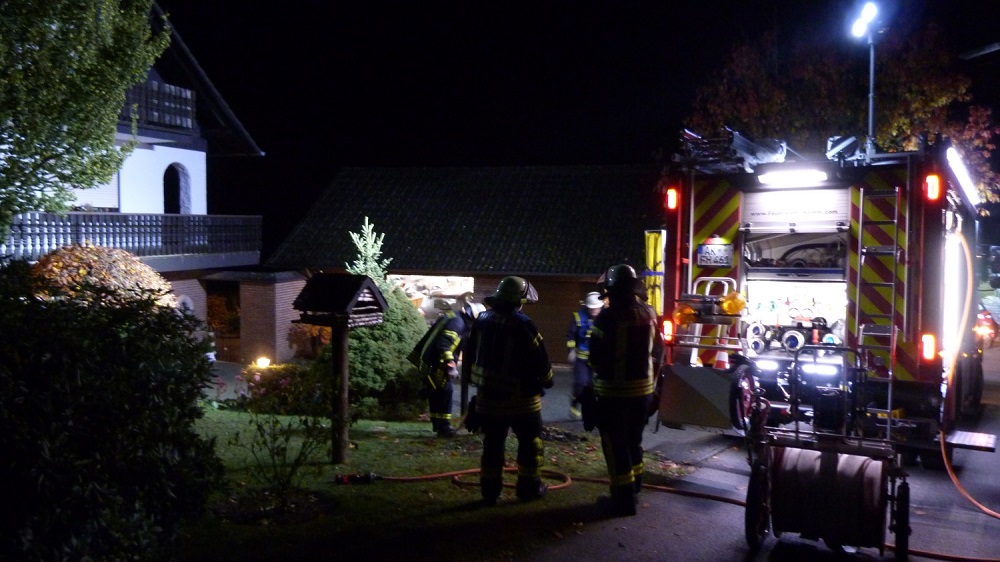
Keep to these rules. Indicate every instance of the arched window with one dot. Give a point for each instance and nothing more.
(176, 190)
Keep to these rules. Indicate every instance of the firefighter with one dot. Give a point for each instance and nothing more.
(506, 360)
(578, 342)
(436, 358)
(624, 346)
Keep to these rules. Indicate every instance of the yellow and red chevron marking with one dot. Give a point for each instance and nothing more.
(716, 213)
(879, 300)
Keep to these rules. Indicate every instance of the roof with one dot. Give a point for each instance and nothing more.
(558, 220)
(219, 125)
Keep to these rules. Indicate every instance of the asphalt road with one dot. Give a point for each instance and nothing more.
(670, 526)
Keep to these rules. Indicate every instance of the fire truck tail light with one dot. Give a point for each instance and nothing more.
(932, 187)
(928, 347)
(672, 199)
(668, 330)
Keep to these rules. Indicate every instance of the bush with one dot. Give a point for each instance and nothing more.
(285, 388)
(383, 383)
(77, 267)
(98, 398)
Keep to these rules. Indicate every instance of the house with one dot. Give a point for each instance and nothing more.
(560, 227)
(156, 204)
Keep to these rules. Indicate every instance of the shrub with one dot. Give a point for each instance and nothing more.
(284, 388)
(98, 398)
(77, 268)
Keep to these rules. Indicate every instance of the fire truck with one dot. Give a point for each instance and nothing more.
(821, 306)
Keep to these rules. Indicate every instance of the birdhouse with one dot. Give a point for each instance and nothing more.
(330, 299)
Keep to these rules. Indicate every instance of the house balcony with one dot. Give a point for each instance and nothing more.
(160, 107)
(164, 242)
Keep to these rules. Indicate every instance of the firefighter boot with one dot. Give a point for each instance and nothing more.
(637, 486)
(623, 501)
(445, 429)
(530, 488)
(490, 489)
(442, 428)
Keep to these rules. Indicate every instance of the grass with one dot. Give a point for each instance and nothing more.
(416, 511)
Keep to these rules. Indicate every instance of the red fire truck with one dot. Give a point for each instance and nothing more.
(835, 296)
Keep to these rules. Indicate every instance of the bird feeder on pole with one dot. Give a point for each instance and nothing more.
(340, 302)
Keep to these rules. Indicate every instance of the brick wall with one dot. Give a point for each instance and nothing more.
(194, 290)
(266, 316)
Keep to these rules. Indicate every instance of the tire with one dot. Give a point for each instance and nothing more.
(932, 459)
(902, 522)
(973, 409)
(757, 516)
(741, 397)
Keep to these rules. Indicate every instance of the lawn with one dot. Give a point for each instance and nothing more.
(424, 503)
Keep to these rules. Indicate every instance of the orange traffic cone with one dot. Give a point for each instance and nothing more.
(721, 357)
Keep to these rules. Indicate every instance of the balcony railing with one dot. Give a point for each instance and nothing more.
(160, 106)
(148, 236)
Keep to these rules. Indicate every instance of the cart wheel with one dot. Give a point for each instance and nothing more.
(757, 517)
(741, 398)
(902, 522)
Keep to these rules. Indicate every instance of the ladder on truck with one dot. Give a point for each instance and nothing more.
(878, 331)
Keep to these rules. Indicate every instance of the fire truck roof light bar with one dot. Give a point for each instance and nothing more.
(964, 180)
(793, 178)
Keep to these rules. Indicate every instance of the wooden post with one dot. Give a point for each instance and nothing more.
(340, 418)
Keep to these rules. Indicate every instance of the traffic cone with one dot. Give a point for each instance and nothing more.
(721, 357)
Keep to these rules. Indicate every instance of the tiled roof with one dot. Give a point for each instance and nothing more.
(558, 220)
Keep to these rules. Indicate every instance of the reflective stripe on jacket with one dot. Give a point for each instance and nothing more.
(578, 335)
(623, 343)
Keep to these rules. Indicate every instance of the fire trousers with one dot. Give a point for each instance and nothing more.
(528, 429)
(439, 403)
(621, 421)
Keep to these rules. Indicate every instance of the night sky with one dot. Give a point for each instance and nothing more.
(321, 84)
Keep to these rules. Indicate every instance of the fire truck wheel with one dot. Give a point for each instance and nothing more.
(973, 410)
(741, 396)
(757, 517)
(932, 459)
(908, 457)
(901, 521)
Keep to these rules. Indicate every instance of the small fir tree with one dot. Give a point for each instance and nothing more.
(381, 381)
(369, 260)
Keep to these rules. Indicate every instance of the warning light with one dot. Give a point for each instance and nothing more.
(672, 199)
(932, 187)
(668, 330)
(684, 314)
(928, 347)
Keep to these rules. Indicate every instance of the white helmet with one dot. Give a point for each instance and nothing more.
(593, 300)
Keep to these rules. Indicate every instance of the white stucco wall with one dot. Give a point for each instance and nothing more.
(140, 181)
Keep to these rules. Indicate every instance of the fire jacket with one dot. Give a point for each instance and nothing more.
(578, 335)
(506, 360)
(624, 347)
(438, 347)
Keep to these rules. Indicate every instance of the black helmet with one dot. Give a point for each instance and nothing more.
(620, 279)
(514, 291)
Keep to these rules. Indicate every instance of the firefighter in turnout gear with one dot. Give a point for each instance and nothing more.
(578, 342)
(436, 357)
(624, 346)
(506, 360)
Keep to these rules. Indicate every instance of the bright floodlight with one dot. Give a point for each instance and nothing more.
(868, 13)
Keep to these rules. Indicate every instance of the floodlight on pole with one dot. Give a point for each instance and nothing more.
(862, 27)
